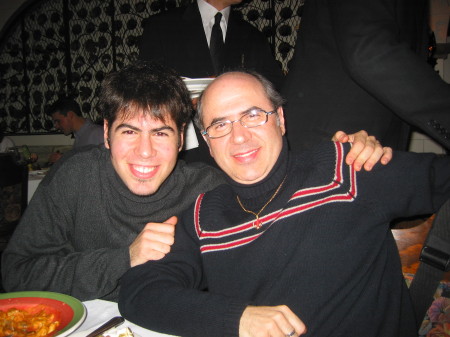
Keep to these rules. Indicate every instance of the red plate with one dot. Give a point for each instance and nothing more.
(67, 310)
(63, 313)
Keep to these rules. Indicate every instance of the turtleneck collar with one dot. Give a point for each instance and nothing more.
(269, 183)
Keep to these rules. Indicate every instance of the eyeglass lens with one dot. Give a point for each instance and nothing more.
(253, 118)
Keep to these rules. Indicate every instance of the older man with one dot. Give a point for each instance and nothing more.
(291, 244)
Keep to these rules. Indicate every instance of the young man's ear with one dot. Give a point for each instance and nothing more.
(181, 142)
(106, 133)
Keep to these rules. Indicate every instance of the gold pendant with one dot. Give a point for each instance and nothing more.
(257, 223)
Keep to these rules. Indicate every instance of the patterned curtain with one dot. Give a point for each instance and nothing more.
(65, 47)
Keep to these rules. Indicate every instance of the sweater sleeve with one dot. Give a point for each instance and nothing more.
(50, 252)
(170, 296)
(411, 184)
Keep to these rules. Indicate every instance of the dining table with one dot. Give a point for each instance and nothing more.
(34, 179)
(100, 311)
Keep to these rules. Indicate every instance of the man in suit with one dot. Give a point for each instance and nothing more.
(180, 39)
(362, 65)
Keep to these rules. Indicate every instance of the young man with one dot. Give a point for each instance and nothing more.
(293, 244)
(103, 210)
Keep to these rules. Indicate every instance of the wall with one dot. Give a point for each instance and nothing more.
(7, 8)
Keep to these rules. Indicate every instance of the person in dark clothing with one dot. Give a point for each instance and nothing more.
(180, 38)
(362, 65)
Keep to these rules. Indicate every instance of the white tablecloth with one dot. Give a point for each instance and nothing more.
(99, 311)
(34, 179)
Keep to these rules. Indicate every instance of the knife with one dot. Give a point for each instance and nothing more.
(112, 323)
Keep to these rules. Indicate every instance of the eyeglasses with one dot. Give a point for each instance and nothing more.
(252, 119)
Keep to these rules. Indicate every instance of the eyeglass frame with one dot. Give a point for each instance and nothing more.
(274, 111)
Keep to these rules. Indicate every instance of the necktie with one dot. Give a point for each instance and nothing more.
(216, 45)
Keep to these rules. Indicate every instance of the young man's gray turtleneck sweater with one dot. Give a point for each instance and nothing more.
(75, 235)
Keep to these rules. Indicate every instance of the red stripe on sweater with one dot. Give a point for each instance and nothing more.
(230, 244)
(338, 177)
(282, 213)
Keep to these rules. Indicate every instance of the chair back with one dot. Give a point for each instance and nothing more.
(410, 236)
(13, 195)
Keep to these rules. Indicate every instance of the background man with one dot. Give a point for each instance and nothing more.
(67, 117)
(291, 240)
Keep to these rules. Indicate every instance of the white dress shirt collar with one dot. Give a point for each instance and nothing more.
(207, 13)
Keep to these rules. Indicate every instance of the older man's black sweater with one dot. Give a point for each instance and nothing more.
(325, 249)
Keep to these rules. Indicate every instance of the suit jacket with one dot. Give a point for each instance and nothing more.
(177, 39)
(362, 65)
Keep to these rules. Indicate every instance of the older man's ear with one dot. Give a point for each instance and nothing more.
(281, 121)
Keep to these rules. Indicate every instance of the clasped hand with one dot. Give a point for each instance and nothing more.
(154, 242)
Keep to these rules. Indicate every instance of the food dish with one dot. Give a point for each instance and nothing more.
(70, 312)
(197, 85)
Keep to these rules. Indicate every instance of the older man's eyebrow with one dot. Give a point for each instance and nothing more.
(219, 119)
(134, 128)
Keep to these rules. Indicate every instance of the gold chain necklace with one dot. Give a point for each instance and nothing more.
(257, 223)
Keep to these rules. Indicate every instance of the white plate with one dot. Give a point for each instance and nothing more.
(38, 172)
